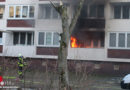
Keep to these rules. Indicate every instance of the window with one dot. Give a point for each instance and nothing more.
(96, 11)
(122, 11)
(119, 40)
(21, 12)
(0, 38)
(112, 40)
(97, 66)
(116, 67)
(11, 11)
(128, 40)
(31, 12)
(25, 12)
(125, 12)
(23, 38)
(48, 39)
(17, 11)
(47, 12)
(41, 38)
(1, 11)
(117, 12)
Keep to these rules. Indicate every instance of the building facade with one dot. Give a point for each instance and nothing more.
(102, 33)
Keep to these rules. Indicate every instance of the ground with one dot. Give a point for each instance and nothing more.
(78, 81)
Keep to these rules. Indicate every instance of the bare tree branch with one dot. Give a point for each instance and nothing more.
(76, 16)
(58, 8)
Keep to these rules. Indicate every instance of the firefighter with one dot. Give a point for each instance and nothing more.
(20, 65)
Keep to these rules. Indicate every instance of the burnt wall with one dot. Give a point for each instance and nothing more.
(91, 23)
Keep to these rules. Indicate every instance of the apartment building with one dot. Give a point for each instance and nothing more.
(101, 36)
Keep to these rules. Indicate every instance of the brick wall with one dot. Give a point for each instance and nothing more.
(1, 48)
(47, 51)
(105, 68)
(20, 23)
(2, 0)
(118, 53)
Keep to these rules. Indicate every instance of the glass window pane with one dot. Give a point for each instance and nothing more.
(55, 39)
(92, 11)
(16, 38)
(128, 40)
(100, 11)
(47, 12)
(84, 11)
(11, 11)
(0, 37)
(29, 38)
(121, 41)
(17, 11)
(112, 40)
(55, 14)
(48, 38)
(41, 38)
(117, 12)
(125, 12)
(1, 11)
(31, 12)
(22, 38)
(25, 11)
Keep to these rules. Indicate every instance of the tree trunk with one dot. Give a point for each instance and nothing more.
(63, 53)
(65, 37)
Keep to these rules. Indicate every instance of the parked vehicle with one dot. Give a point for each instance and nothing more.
(125, 83)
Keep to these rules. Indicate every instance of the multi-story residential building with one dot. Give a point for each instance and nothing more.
(101, 36)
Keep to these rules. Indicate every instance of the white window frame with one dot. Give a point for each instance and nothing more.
(32, 42)
(45, 39)
(44, 13)
(21, 12)
(117, 37)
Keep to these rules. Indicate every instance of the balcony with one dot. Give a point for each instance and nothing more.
(86, 24)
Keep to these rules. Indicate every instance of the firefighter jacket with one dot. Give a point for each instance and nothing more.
(20, 62)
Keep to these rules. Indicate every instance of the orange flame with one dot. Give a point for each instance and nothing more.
(74, 42)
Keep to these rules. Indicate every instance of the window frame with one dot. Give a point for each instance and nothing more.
(21, 12)
(43, 6)
(26, 38)
(117, 40)
(121, 13)
(96, 16)
(52, 39)
(1, 38)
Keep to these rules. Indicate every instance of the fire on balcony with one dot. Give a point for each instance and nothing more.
(87, 40)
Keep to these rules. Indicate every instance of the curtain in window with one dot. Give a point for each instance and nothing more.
(11, 11)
